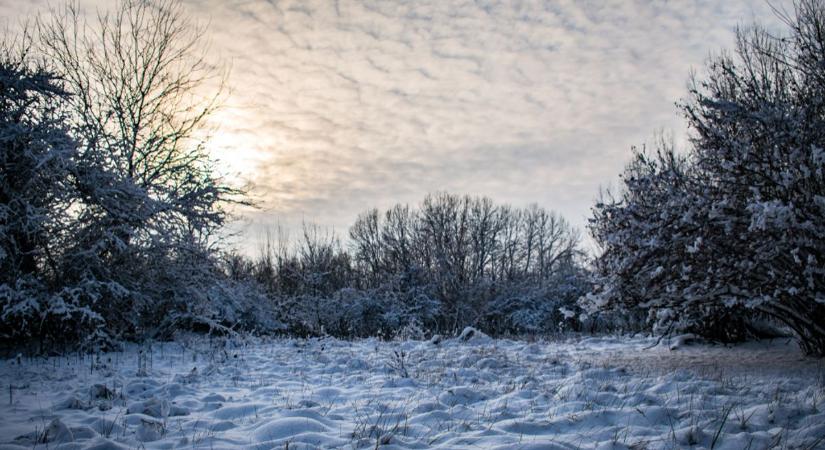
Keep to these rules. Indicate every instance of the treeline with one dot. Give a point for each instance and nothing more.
(110, 210)
(451, 262)
(731, 231)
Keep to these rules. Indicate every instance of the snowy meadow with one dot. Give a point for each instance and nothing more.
(692, 316)
(471, 392)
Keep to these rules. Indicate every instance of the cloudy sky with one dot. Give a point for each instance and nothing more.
(340, 106)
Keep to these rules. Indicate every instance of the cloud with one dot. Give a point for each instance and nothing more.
(341, 106)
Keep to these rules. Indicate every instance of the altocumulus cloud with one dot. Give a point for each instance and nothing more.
(340, 106)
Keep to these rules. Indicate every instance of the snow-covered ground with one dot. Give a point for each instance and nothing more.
(483, 393)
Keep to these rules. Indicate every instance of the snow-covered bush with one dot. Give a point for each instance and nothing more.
(351, 312)
(737, 225)
(536, 309)
(36, 158)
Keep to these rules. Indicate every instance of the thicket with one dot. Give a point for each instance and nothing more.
(452, 261)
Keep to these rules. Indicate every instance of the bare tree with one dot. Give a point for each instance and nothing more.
(137, 76)
(149, 199)
(476, 258)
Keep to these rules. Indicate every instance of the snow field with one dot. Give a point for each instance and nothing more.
(611, 393)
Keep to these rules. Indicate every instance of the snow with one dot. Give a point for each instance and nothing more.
(594, 392)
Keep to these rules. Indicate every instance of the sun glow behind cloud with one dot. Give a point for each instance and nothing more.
(237, 152)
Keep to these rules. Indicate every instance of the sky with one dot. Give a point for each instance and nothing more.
(336, 107)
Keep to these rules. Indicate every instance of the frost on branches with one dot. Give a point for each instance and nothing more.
(110, 204)
(36, 151)
(736, 226)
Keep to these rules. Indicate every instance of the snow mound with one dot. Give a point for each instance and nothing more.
(470, 334)
(683, 340)
(57, 432)
(286, 427)
(460, 396)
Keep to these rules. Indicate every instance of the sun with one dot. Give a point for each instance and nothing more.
(234, 157)
(235, 151)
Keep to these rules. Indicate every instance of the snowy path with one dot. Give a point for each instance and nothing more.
(582, 393)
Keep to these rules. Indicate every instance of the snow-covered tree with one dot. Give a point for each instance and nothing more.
(149, 196)
(738, 224)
